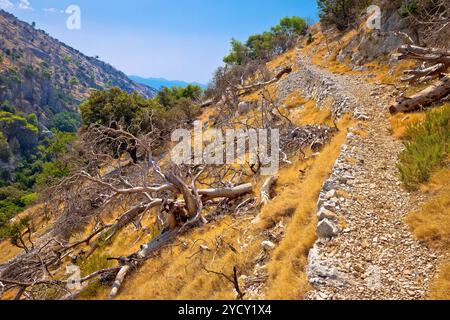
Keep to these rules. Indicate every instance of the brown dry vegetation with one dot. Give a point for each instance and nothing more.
(287, 277)
(177, 273)
(401, 122)
(325, 49)
(303, 112)
(430, 224)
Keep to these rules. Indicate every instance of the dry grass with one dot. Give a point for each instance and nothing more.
(252, 97)
(8, 251)
(287, 275)
(39, 223)
(326, 55)
(440, 287)
(431, 224)
(401, 122)
(177, 273)
(286, 59)
(382, 73)
(294, 100)
(309, 113)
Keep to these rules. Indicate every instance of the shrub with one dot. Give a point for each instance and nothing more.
(426, 148)
(68, 59)
(94, 263)
(238, 53)
(7, 107)
(14, 232)
(408, 8)
(139, 115)
(340, 13)
(29, 199)
(21, 129)
(264, 46)
(73, 81)
(5, 150)
(117, 106)
(66, 121)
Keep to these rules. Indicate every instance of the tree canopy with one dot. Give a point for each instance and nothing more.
(264, 46)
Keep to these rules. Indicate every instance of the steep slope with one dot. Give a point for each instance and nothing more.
(41, 75)
(352, 184)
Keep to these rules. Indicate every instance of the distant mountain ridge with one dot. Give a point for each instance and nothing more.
(43, 76)
(159, 83)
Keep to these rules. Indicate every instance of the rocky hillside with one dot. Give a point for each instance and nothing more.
(41, 75)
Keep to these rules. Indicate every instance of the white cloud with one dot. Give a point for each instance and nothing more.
(49, 9)
(6, 4)
(25, 5)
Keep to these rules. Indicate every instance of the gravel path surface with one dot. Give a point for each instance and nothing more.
(373, 254)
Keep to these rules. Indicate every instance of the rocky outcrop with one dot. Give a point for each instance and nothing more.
(372, 44)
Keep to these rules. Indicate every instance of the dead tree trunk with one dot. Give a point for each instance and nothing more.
(247, 89)
(435, 65)
(424, 98)
(265, 190)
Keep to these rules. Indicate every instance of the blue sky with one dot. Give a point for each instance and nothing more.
(174, 39)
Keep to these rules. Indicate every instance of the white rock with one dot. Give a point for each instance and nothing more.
(268, 245)
(329, 205)
(331, 194)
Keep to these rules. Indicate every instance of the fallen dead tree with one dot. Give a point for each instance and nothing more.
(235, 86)
(33, 272)
(243, 90)
(265, 190)
(175, 195)
(435, 63)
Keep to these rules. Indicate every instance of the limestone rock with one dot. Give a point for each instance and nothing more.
(326, 229)
(267, 245)
(326, 214)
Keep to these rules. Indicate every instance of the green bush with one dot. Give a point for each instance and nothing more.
(264, 46)
(238, 54)
(29, 199)
(66, 121)
(52, 171)
(94, 263)
(408, 8)
(426, 149)
(19, 128)
(341, 13)
(8, 107)
(14, 233)
(139, 115)
(73, 81)
(5, 150)
(68, 59)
